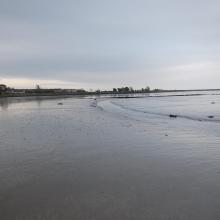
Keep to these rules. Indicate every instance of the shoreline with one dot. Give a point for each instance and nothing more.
(5, 95)
(110, 95)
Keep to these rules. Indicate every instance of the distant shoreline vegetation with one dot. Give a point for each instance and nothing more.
(38, 91)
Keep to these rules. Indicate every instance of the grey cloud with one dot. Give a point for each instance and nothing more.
(94, 40)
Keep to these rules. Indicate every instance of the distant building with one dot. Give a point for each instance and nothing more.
(16, 91)
(3, 88)
(70, 90)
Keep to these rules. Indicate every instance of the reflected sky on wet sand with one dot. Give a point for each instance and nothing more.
(76, 161)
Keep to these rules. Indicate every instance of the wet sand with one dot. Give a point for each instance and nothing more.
(81, 162)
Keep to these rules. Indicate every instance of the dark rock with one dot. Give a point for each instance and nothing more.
(210, 116)
(172, 116)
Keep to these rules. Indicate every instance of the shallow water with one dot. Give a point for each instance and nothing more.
(196, 107)
(124, 159)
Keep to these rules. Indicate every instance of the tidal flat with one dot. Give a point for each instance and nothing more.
(110, 158)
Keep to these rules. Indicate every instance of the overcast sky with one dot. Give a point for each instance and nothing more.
(167, 44)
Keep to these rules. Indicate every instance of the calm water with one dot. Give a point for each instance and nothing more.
(124, 159)
(190, 107)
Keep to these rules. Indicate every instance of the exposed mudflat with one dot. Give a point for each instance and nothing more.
(110, 159)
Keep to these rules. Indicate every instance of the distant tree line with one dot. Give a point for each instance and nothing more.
(130, 89)
(38, 90)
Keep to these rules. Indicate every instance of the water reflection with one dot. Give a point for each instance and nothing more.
(4, 103)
